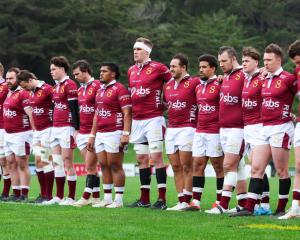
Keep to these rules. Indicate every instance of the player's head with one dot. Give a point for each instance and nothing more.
(273, 57)
(250, 59)
(208, 66)
(109, 71)
(27, 80)
(59, 67)
(294, 52)
(82, 71)
(142, 49)
(179, 65)
(11, 78)
(1, 70)
(227, 58)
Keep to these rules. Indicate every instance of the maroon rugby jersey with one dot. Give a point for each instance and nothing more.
(110, 100)
(146, 84)
(278, 92)
(252, 99)
(86, 100)
(14, 117)
(3, 94)
(230, 114)
(181, 100)
(208, 97)
(41, 102)
(297, 75)
(64, 91)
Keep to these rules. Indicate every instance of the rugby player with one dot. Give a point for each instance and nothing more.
(276, 136)
(110, 131)
(18, 122)
(87, 100)
(40, 101)
(146, 79)
(231, 131)
(180, 99)
(65, 127)
(207, 144)
(294, 211)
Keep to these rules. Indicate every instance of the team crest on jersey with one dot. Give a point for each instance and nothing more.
(212, 89)
(90, 92)
(186, 84)
(238, 77)
(62, 90)
(168, 87)
(16, 96)
(109, 93)
(278, 84)
(255, 83)
(149, 71)
(39, 93)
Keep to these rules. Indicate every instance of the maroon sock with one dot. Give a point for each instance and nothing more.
(197, 195)
(281, 204)
(72, 189)
(17, 192)
(181, 198)
(265, 199)
(187, 198)
(242, 202)
(296, 195)
(60, 186)
(162, 193)
(96, 194)
(145, 195)
(250, 204)
(49, 176)
(24, 192)
(225, 199)
(42, 182)
(6, 186)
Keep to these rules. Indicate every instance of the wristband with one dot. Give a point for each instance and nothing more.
(125, 133)
(92, 136)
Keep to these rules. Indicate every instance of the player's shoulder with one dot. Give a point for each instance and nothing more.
(158, 65)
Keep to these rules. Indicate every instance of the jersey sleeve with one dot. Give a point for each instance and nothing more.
(293, 83)
(124, 97)
(165, 73)
(24, 98)
(71, 91)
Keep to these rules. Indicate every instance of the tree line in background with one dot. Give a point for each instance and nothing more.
(31, 32)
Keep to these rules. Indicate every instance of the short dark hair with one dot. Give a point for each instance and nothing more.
(61, 61)
(112, 67)
(183, 59)
(212, 61)
(24, 76)
(294, 49)
(14, 69)
(274, 48)
(251, 52)
(83, 65)
(230, 51)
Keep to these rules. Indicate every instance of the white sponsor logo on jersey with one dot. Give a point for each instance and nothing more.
(248, 103)
(206, 108)
(86, 109)
(60, 106)
(177, 105)
(270, 103)
(228, 98)
(37, 110)
(9, 113)
(103, 113)
(140, 91)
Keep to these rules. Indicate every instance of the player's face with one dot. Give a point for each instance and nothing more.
(296, 60)
(11, 80)
(140, 55)
(226, 63)
(106, 75)
(205, 71)
(29, 86)
(79, 75)
(271, 62)
(249, 64)
(57, 73)
(175, 69)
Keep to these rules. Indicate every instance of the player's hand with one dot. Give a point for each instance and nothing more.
(124, 140)
(75, 136)
(263, 72)
(294, 117)
(90, 146)
(220, 78)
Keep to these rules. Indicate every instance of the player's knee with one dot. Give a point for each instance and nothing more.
(187, 168)
(282, 172)
(199, 169)
(177, 167)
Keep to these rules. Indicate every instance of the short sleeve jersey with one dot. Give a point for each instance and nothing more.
(146, 84)
(181, 101)
(64, 91)
(278, 93)
(208, 97)
(110, 100)
(87, 100)
(3, 94)
(297, 75)
(14, 117)
(230, 114)
(252, 99)
(41, 102)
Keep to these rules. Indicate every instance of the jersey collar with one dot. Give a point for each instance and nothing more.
(211, 79)
(63, 80)
(103, 86)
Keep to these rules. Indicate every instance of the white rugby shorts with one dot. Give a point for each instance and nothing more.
(82, 140)
(232, 140)
(179, 139)
(251, 135)
(18, 143)
(207, 145)
(63, 136)
(109, 142)
(297, 135)
(42, 137)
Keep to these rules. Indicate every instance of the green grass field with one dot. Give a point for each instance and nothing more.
(27, 221)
